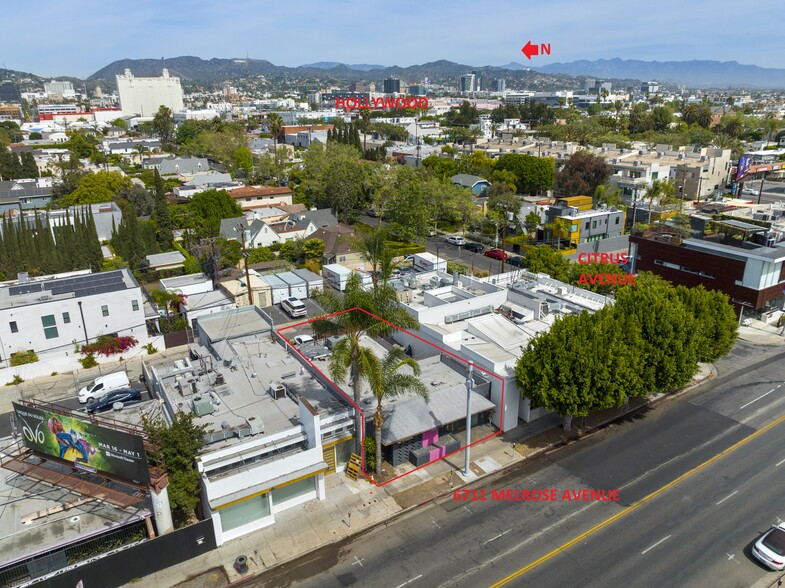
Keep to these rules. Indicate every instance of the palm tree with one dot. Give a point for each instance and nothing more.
(770, 126)
(658, 189)
(386, 382)
(345, 319)
(275, 126)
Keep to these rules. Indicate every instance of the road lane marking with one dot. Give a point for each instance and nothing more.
(663, 540)
(779, 463)
(759, 397)
(728, 496)
(437, 525)
(635, 506)
(409, 581)
(358, 561)
(497, 536)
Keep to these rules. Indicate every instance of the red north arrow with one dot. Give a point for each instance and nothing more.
(529, 50)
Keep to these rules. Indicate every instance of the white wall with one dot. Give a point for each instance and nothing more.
(121, 319)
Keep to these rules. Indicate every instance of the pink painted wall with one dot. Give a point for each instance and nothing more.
(430, 437)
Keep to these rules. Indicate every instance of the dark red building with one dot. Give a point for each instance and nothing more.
(753, 278)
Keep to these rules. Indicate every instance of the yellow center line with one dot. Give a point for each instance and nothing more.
(636, 505)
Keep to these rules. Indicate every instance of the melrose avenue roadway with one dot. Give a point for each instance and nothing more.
(700, 478)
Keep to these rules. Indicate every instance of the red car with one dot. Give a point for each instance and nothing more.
(496, 254)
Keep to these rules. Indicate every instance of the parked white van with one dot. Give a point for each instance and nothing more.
(294, 307)
(102, 385)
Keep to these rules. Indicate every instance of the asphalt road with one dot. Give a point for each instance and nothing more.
(773, 192)
(696, 533)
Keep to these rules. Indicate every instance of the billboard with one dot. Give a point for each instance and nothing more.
(743, 167)
(91, 447)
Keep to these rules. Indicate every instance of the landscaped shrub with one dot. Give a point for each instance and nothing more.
(88, 362)
(107, 345)
(23, 357)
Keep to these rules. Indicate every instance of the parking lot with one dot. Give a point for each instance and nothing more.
(281, 319)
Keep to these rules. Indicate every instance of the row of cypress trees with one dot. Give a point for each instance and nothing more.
(40, 248)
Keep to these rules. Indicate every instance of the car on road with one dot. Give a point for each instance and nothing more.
(515, 261)
(770, 548)
(496, 254)
(750, 191)
(126, 397)
(456, 240)
(474, 247)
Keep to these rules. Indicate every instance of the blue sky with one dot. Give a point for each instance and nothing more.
(78, 38)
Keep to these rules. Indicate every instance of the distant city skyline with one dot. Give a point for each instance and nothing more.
(64, 41)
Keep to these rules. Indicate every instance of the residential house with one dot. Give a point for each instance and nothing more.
(581, 225)
(259, 196)
(479, 186)
(28, 194)
(206, 181)
(338, 247)
(165, 261)
(130, 146)
(48, 314)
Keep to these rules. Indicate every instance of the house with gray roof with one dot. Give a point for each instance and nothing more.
(479, 186)
(183, 166)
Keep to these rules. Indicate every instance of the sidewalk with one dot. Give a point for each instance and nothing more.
(761, 333)
(352, 507)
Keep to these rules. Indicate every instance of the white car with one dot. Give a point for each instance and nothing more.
(456, 240)
(302, 340)
(750, 191)
(770, 548)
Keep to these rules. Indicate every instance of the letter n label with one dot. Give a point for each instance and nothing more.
(545, 48)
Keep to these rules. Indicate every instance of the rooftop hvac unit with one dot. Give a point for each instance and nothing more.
(256, 424)
(203, 405)
(219, 378)
(277, 390)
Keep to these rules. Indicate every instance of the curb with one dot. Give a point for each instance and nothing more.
(524, 459)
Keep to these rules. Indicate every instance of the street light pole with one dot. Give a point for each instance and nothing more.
(469, 386)
(241, 228)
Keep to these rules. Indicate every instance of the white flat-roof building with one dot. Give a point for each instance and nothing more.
(144, 96)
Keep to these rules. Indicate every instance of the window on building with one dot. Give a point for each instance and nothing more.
(14, 328)
(105, 310)
(593, 224)
(50, 326)
(245, 512)
(617, 220)
(587, 225)
(134, 305)
(292, 491)
(66, 318)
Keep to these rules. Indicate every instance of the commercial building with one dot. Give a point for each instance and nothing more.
(752, 276)
(144, 96)
(62, 89)
(392, 86)
(275, 429)
(584, 225)
(467, 84)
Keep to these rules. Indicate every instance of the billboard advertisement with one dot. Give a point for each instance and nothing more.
(744, 167)
(91, 447)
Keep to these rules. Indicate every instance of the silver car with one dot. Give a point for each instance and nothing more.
(770, 548)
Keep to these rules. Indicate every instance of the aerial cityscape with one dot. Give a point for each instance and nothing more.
(355, 306)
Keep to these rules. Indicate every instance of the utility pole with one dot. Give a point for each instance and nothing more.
(469, 386)
(241, 228)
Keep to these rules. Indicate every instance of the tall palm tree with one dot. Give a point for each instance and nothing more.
(386, 382)
(342, 318)
(275, 126)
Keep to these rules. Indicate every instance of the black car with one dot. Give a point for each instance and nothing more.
(474, 247)
(514, 261)
(126, 396)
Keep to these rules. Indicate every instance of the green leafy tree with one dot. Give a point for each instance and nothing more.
(29, 169)
(95, 188)
(533, 174)
(313, 249)
(176, 447)
(243, 161)
(138, 197)
(160, 214)
(543, 259)
(261, 254)
(582, 174)
(407, 211)
(442, 168)
(386, 381)
(209, 207)
(532, 222)
(164, 127)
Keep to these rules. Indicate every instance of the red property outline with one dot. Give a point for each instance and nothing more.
(351, 400)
